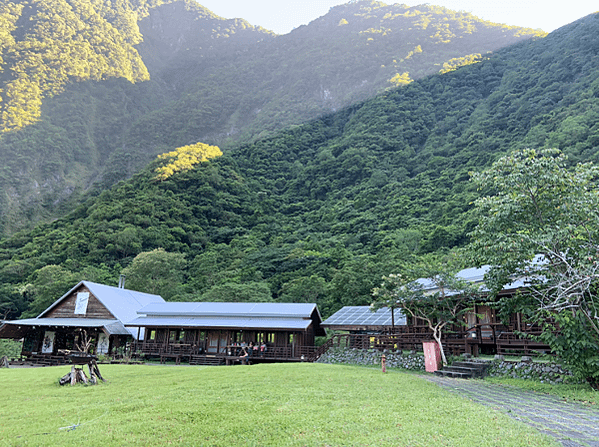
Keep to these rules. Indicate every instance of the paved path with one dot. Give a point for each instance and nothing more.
(571, 424)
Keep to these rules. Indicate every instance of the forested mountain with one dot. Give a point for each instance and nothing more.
(319, 212)
(93, 90)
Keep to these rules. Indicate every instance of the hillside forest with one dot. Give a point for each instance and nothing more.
(319, 212)
(91, 92)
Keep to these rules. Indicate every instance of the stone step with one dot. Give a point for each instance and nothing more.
(455, 374)
(473, 365)
(465, 370)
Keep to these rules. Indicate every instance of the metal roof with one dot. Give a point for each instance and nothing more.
(363, 316)
(477, 275)
(122, 303)
(111, 326)
(279, 310)
(295, 316)
(223, 322)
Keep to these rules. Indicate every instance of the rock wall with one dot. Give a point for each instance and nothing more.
(544, 372)
(551, 372)
(372, 357)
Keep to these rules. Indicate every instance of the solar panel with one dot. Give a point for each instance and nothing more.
(363, 316)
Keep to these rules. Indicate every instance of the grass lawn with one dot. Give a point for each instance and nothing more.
(260, 405)
(581, 393)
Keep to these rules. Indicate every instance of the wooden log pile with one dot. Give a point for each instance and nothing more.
(77, 375)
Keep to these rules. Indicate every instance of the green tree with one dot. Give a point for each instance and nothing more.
(540, 220)
(442, 300)
(48, 284)
(303, 290)
(158, 272)
(255, 292)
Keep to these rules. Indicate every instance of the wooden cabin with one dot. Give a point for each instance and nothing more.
(219, 333)
(481, 333)
(88, 312)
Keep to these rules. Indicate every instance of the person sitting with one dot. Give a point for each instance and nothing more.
(243, 358)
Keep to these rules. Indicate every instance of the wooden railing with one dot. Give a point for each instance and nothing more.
(457, 342)
(163, 349)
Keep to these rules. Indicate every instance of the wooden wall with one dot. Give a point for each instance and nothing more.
(66, 309)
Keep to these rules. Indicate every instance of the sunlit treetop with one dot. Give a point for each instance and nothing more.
(185, 158)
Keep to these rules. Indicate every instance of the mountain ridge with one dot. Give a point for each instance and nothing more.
(319, 212)
(219, 81)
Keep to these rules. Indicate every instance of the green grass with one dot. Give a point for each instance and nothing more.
(582, 393)
(259, 405)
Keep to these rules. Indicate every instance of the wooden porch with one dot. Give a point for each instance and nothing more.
(479, 339)
(195, 354)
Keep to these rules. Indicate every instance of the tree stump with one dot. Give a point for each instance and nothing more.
(4, 362)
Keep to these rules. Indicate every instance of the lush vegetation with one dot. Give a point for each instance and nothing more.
(72, 117)
(441, 301)
(265, 405)
(319, 212)
(538, 207)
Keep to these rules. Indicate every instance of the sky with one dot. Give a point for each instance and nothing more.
(281, 16)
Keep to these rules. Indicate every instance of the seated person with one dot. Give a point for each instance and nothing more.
(244, 357)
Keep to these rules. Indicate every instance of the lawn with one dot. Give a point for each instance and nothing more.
(260, 405)
(574, 392)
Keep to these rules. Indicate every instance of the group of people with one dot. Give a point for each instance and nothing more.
(246, 352)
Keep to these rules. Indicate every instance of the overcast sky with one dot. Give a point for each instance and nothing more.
(281, 16)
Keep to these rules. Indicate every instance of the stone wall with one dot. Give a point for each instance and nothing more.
(548, 372)
(544, 372)
(372, 357)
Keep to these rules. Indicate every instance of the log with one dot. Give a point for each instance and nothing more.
(97, 370)
(77, 375)
(92, 376)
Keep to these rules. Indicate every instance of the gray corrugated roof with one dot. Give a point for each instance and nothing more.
(222, 322)
(291, 310)
(477, 276)
(115, 327)
(122, 303)
(363, 316)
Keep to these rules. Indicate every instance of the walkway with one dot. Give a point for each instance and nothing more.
(571, 424)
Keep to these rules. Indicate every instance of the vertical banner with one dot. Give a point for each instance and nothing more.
(48, 345)
(81, 303)
(103, 343)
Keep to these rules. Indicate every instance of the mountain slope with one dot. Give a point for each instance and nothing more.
(319, 212)
(75, 122)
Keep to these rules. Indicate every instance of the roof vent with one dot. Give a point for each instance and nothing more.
(122, 281)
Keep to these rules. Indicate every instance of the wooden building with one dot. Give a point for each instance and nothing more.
(482, 331)
(217, 333)
(91, 311)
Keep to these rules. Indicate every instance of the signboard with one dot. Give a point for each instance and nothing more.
(48, 344)
(81, 303)
(432, 356)
(103, 343)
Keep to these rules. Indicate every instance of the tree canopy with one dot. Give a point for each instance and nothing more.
(540, 221)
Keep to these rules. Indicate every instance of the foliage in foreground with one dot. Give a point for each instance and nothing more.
(540, 221)
(265, 405)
